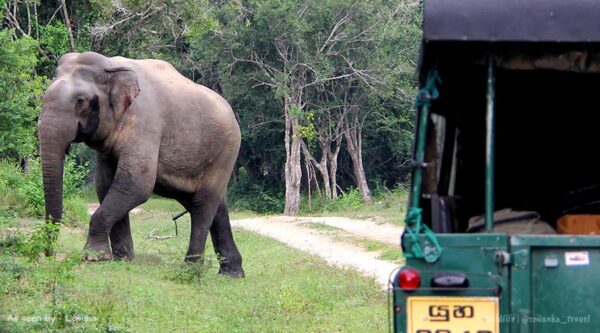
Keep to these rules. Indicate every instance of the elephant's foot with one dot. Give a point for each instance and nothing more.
(226, 268)
(231, 271)
(97, 252)
(231, 266)
(194, 258)
(123, 251)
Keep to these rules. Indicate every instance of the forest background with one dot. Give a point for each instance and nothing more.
(323, 90)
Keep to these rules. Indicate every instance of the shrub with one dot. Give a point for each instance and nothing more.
(245, 194)
(22, 194)
(191, 272)
(351, 201)
(11, 179)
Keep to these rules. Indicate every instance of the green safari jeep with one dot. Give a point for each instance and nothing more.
(505, 195)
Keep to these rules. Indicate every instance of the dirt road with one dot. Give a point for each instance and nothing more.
(297, 232)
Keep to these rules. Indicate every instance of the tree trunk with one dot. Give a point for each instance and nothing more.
(353, 134)
(321, 165)
(293, 169)
(68, 24)
(333, 163)
(310, 171)
(333, 154)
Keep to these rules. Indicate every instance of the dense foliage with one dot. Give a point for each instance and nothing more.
(320, 88)
(21, 194)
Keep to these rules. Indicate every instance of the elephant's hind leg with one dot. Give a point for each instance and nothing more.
(202, 206)
(230, 259)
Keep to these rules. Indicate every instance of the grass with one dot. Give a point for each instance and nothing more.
(325, 228)
(387, 251)
(284, 289)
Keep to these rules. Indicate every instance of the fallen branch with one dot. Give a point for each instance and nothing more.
(153, 235)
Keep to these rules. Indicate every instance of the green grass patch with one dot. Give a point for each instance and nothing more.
(387, 251)
(392, 254)
(323, 227)
(284, 290)
(158, 204)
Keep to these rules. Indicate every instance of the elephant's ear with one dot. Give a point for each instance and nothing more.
(123, 89)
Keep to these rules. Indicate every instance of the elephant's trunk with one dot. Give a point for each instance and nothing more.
(55, 138)
(53, 156)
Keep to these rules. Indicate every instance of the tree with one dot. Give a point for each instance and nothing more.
(328, 128)
(267, 45)
(20, 91)
(369, 45)
(309, 57)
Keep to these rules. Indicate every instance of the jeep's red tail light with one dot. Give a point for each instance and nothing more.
(409, 279)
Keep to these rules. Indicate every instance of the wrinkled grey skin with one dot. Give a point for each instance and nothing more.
(154, 131)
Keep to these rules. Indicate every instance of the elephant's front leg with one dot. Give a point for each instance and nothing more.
(97, 246)
(129, 188)
(121, 241)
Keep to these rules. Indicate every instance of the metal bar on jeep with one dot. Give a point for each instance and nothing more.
(419, 161)
(489, 148)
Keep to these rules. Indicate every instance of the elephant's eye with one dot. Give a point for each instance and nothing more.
(80, 101)
(100, 78)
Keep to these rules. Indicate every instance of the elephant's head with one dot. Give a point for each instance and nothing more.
(84, 103)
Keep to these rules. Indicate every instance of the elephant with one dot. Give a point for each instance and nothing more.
(154, 131)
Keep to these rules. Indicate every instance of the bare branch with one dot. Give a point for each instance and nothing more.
(333, 78)
(262, 83)
(304, 8)
(152, 235)
(12, 20)
(257, 60)
(54, 15)
(282, 50)
(100, 31)
(28, 20)
(152, 32)
(337, 25)
(37, 25)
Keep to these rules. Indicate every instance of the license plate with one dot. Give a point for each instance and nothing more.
(453, 315)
